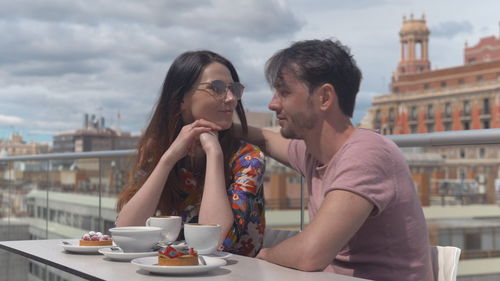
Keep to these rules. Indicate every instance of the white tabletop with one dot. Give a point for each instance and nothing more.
(98, 267)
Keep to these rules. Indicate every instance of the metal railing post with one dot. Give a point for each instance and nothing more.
(101, 221)
(302, 203)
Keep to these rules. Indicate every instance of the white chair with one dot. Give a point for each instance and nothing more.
(272, 236)
(445, 262)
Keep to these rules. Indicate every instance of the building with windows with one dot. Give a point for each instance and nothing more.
(17, 146)
(457, 98)
(465, 97)
(94, 136)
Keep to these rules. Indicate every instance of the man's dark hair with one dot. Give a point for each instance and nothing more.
(316, 62)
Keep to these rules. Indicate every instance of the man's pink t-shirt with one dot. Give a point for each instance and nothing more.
(392, 244)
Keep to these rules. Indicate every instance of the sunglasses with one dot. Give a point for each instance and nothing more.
(220, 88)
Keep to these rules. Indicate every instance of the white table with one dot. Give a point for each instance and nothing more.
(98, 267)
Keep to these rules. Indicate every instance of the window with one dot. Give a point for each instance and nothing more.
(479, 78)
(447, 110)
(395, 89)
(482, 152)
(430, 128)
(486, 106)
(413, 113)
(391, 114)
(444, 237)
(76, 221)
(486, 124)
(462, 153)
(86, 220)
(443, 84)
(426, 86)
(413, 129)
(447, 126)
(473, 241)
(377, 115)
(461, 81)
(44, 213)
(430, 111)
(466, 125)
(466, 108)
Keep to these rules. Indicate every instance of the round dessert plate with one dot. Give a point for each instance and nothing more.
(116, 253)
(74, 246)
(150, 264)
(218, 254)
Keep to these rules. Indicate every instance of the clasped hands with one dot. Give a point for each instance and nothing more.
(199, 134)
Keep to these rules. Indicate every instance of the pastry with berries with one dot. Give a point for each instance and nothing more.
(171, 256)
(95, 239)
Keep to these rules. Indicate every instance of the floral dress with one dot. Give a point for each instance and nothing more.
(246, 196)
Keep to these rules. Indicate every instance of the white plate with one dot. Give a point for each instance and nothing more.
(219, 254)
(149, 264)
(76, 248)
(119, 255)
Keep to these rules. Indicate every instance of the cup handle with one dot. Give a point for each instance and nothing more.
(148, 221)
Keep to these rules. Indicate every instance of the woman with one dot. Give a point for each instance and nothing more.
(190, 164)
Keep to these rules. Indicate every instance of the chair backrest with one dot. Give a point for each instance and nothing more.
(272, 237)
(445, 262)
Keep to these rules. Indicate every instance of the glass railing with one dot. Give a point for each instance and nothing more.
(457, 175)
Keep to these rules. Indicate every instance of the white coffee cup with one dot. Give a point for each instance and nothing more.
(170, 225)
(135, 239)
(204, 238)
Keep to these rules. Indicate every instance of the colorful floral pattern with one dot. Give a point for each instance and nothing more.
(246, 196)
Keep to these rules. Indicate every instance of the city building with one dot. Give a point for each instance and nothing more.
(464, 97)
(17, 146)
(94, 136)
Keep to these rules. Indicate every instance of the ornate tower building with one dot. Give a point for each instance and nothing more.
(414, 39)
(464, 97)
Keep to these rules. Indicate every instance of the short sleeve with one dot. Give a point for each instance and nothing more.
(366, 170)
(297, 155)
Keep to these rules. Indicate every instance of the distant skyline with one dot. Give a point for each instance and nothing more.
(62, 59)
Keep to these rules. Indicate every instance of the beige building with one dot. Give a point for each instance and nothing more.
(17, 146)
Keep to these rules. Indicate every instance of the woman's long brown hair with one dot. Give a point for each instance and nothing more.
(166, 123)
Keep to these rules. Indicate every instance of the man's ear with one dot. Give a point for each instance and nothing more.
(327, 96)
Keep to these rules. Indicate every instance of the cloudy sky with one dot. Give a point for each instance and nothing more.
(61, 59)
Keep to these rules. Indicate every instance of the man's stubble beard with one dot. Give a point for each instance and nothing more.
(302, 120)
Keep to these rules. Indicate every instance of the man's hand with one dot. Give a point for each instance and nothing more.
(262, 254)
(341, 214)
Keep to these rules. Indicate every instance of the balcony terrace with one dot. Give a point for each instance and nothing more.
(62, 195)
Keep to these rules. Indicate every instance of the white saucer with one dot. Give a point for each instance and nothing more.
(119, 255)
(149, 264)
(218, 254)
(76, 248)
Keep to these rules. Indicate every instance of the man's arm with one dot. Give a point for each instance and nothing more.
(340, 216)
(271, 143)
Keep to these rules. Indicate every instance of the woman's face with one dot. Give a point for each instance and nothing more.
(204, 103)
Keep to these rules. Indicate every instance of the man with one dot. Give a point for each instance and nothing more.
(365, 216)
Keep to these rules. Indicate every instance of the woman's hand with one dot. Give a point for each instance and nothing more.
(210, 142)
(188, 137)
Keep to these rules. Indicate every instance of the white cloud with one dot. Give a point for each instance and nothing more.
(61, 59)
(10, 120)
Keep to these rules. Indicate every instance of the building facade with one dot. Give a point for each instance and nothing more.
(94, 136)
(465, 97)
(17, 146)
